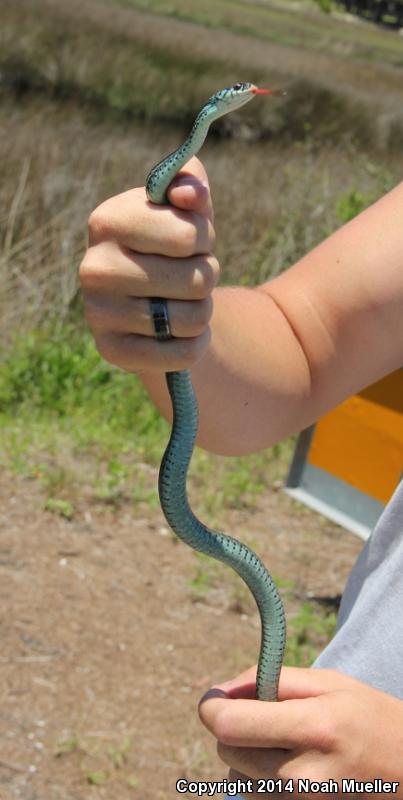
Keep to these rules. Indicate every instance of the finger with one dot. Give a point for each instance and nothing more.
(295, 682)
(190, 189)
(134, 222)
(301, 683)
(253, 723)
(108, 269)
(133, 353)
(132, 315)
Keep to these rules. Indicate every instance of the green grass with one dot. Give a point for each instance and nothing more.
(308, 632)
(76, 424)
(99, 763)
(310, 626)
(68, 419)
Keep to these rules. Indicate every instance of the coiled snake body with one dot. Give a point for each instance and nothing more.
(175, 462)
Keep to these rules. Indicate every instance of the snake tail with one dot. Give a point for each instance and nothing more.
(175, 505)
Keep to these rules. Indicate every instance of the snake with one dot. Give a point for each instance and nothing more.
(176, 459)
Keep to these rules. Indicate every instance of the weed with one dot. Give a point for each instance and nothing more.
(309, 630)
(203, 572)
(56, 397)
(236, 482)
(325, 5)
(60, 507)
(119, 754)
(59, 374)
(99, 778)
(350, 204)
(67, 746)
(99, 764)
(143, 492)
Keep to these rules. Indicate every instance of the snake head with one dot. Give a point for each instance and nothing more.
(233, 97)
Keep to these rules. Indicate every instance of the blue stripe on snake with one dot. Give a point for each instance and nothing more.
(176, 459)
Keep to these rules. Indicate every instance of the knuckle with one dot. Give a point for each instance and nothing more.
(211, 236)
(209, 274)
(91, 277)
(204, 276)
(223, 727)
(214, 266)
(212, 272)
(99, 224)
(85, 272)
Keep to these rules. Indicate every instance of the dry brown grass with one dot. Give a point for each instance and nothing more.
(163, 68)
(57, 167)
(71, 96)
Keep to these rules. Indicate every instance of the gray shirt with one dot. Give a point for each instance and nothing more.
(369, 639)
(368, 643)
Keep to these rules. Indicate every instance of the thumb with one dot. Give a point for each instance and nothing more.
(190, 189)
(295, 683)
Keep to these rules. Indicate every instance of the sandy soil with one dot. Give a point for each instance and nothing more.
(107, 645)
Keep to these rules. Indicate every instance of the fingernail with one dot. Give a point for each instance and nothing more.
(215, 692)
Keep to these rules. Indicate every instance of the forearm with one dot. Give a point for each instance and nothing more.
(252, 384)
(283, 354)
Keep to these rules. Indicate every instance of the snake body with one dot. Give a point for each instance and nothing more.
(176, 459)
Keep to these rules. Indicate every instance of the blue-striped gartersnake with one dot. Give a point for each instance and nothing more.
(172, 477)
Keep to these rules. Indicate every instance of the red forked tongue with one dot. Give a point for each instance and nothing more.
(279, 92)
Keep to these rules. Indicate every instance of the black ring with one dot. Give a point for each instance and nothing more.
(160, 318)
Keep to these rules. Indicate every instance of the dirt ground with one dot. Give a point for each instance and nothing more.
(107, 645)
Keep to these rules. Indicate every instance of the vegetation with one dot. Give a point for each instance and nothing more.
(60, 405)
(87, 108)
(97, 762)
(281, 23)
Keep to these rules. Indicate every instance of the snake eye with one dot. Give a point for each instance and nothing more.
(237, 86)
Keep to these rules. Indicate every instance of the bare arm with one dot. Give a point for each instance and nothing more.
(283, 354)
(267, 361)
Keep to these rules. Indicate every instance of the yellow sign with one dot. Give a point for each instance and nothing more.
(361, 441)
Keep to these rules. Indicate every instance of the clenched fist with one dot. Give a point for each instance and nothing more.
(137, 251)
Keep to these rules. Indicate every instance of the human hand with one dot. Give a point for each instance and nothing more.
(138, 250)
(327, 727)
